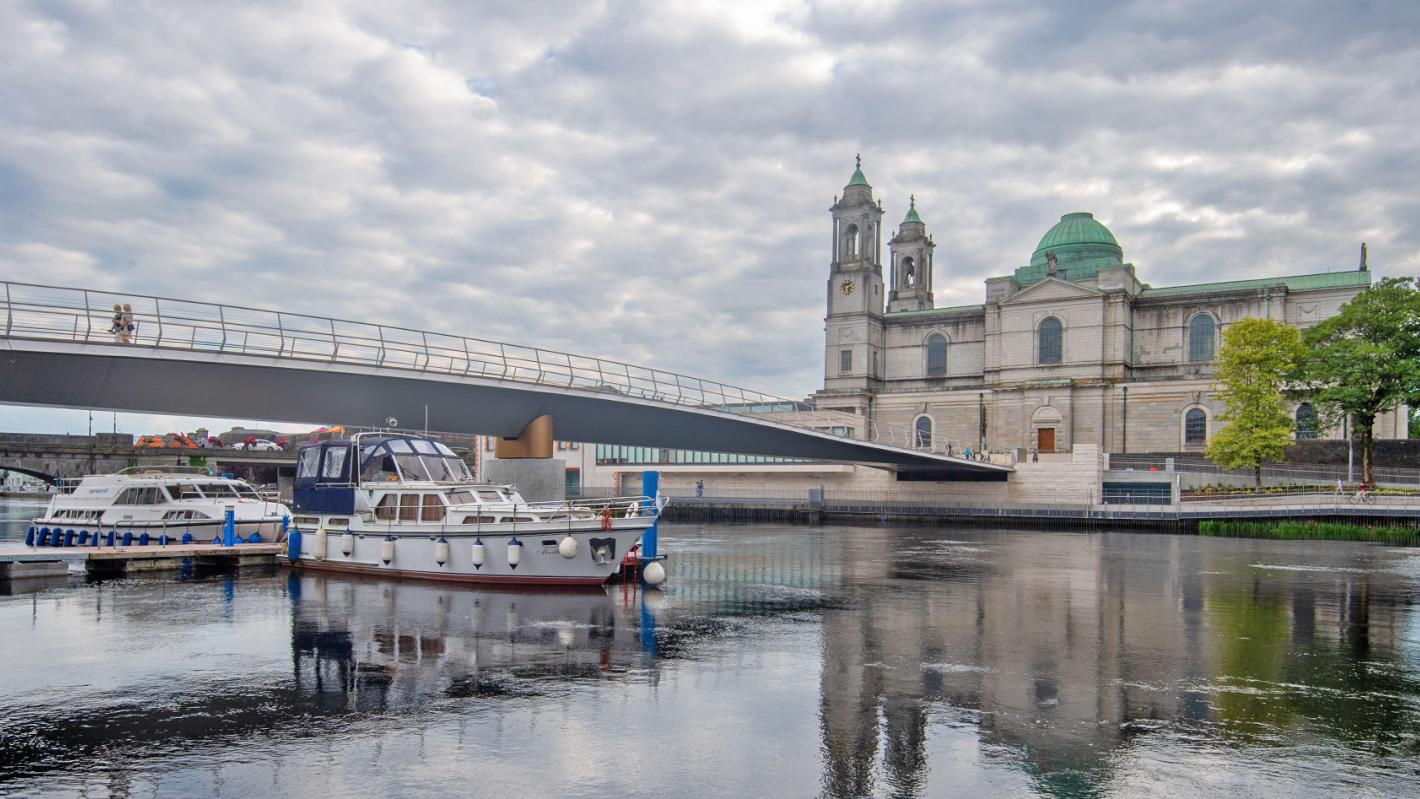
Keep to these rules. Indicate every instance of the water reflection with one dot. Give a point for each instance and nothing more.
(1068, 650)
(385, 644)
(845, 662)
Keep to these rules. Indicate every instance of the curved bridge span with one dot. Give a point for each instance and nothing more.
(189, 358)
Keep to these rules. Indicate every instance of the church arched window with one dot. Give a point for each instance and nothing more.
(936, 355)
(1051, 336)
(923, 430)
(1195, 426)
(1306, 421)
(850, 242)
(909, 272)
(1200, 338)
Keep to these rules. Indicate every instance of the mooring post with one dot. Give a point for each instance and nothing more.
(229, 528)
(651, 487)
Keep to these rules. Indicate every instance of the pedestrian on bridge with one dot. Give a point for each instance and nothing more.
(119, 329)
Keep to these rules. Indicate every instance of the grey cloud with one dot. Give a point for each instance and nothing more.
(650, 181)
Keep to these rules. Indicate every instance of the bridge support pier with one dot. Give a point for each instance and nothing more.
(526, 462)
(534, 442)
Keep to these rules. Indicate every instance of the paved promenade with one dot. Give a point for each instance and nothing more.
(1329, 507)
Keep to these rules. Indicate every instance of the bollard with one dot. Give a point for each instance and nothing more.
(229, 528)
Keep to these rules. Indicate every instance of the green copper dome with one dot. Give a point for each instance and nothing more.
(1078, 238)
(1082, 247)
(912, 212)
(857, 179)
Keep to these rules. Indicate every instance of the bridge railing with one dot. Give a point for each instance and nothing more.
(56, 313)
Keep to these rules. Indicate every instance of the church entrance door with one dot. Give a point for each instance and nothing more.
(1045, 439)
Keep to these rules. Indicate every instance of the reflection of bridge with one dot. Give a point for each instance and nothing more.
(204, 359)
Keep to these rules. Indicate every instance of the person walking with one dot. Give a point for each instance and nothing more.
(699, 488)
(130, 327)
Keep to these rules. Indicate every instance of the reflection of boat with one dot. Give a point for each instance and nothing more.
(145, 501)
(395, 504)
(389, 641)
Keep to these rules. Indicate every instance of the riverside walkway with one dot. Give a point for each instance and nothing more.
(817, 506)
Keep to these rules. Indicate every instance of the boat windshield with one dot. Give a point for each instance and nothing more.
(217, 490)
(460, 498)
(411, 459)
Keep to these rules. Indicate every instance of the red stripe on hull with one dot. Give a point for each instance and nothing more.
(491, 579)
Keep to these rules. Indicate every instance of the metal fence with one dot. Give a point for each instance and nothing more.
(1325, 474)
(53, 313)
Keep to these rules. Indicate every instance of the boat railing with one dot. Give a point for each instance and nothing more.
(153, 471)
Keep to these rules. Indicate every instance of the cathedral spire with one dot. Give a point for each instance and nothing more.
(857, 179)
(912, 211)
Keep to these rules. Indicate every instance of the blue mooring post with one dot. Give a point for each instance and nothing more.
(650, 486)
(229, 528)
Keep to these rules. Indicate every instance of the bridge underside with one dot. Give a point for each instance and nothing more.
(198, 384)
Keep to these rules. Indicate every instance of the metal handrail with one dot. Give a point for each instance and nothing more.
(54, 313)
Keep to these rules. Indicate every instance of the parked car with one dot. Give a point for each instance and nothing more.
(257, 444)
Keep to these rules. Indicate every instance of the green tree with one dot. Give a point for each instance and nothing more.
(1255, 363)
(1366, 360)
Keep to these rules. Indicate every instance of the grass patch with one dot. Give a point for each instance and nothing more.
(1309, 531)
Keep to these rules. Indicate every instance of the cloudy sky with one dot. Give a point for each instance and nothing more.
(650, 182)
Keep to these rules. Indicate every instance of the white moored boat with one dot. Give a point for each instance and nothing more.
(403, 505)
(144, 504)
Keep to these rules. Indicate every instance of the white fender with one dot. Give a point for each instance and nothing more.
(567, 547)
(387, 550)
(441, 552)
(480, 553)
(347, 544)
(515, 552)
(319, 548)
(654, 573)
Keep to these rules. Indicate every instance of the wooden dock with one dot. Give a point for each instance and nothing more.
(23, 561)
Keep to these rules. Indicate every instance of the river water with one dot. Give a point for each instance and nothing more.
(780, 661)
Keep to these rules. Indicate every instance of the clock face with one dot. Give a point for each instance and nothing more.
(846, 287)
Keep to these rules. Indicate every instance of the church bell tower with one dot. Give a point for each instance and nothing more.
(854, 325)
(910, 252)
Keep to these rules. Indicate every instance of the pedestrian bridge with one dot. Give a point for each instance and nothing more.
(203, 359)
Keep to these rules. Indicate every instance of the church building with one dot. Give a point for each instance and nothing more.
(1069, 349)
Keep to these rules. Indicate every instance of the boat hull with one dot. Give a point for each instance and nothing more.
(531, 554)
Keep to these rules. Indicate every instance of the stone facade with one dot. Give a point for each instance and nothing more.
(1071, 349)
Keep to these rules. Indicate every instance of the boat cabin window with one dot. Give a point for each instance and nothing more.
(433, 510)
(379, 468)
(217, 490)
(460, 498)
(245, 491)
(387, 508)
(151, 495)
(307, 465)
(409, 507)
(333, 468)
(490, 495)
(184, 491)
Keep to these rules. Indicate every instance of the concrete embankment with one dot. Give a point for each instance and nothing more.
(1405, 512)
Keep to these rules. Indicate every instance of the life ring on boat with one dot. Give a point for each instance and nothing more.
(606, 518)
